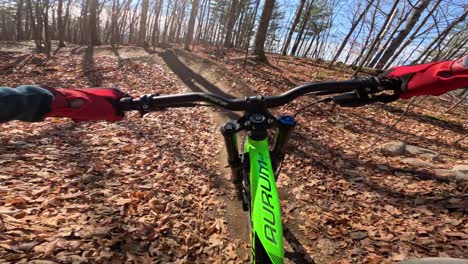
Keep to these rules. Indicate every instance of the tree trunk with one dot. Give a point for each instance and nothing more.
(93, 37)
(27, 28)
(4, 27)
(19, 21)
(300, 50)
(143, 18)
(441, 36)
(191, 25)
(155, 33)
(379, 36)
(385, 28)
(451, 43)
(239, 23)
(301, 30)
(259, 46)
(353, 43)
(231, 22)
(309, 48)
(200, 21)
(166, 23)
(250, 27)
(53, 28)
(173, 18)
(207, 24)
(396, 42)
(414, 35)
(114, 21)
(34, 30)
(353, 27)
(133, 34)
(181, 22)
(456, 49)
(45, 15)
(366, 43)
(61, 26)
(67, 23)
(293, 28)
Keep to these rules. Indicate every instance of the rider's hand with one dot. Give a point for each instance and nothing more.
(87, 104)
(431, 79)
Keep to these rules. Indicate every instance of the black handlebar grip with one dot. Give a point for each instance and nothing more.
(126, 104)
(346, 98)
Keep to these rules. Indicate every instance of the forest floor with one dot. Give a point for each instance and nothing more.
(154, 189)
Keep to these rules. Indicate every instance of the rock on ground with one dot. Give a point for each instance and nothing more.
(461, 172)
(423, 152)
(418, 163)
(394, 148)
(397, 148)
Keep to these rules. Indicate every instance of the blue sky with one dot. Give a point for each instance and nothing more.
(345, 10)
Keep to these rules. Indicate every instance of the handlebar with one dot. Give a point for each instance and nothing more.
(353, 93)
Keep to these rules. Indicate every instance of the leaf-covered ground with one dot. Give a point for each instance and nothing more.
(347, 201)
(141, 190)
(147, 189)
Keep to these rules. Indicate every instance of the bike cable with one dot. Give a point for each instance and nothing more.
(324, 100)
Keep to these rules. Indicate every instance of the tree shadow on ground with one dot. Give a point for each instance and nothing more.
(74, 150)
(395, 134)
(148, 49)
(120, 60)
(78, 156)
(89, 68)
(194, 81)
(199, 84)
(299, 254)
(456, 128)
(436, 201)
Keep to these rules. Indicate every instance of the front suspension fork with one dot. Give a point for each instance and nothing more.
(284, 131)
(229, 133)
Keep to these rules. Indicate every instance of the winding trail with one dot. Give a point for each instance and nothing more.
(198, 75)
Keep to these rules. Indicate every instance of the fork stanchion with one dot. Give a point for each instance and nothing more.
(230, 139)
(285, 128)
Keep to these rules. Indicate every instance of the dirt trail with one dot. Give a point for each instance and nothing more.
(186, 69)
(199, 75)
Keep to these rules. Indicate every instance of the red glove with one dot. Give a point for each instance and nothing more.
(433, 78)
(90, 104)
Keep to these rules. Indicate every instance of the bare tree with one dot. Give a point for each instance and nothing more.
(259, 45)
(19, 19)
(93, 36)
(396, 42)
(440, 37)
(191, 25)
(353, 27)
(60, 24)
(305, 20)
(45, 20)
(293, 27)
(156, 24)
(143, 18)
(379, 36)
(369, 36)
(231, 22)
(415, 34)
(453, 51)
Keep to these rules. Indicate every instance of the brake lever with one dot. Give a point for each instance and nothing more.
(355, 99)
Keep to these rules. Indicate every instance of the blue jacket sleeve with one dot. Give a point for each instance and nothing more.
(25, 103)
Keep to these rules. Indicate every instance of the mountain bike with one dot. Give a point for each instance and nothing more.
(255, 166)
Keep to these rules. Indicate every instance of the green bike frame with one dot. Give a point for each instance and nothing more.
(265, 213)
